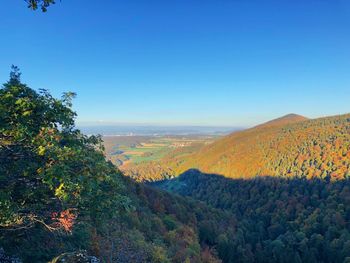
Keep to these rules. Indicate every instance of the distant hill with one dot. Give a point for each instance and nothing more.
(289, 146)
(284, 120)
(61, 201)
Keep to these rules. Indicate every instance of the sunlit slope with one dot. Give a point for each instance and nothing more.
(311, 148)
(284, 120)
(288, 146)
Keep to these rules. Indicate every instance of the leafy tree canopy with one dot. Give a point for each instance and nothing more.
(58, 194)
(47, 167)
(39, 4)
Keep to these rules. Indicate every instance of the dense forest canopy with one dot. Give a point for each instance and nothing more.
(58, 193)
(275, 219)
(277, 192)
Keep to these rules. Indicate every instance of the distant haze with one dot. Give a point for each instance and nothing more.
(122, 130)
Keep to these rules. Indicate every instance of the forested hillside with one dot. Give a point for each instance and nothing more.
(278, 192)
(289, 147)
(276, 219)
(58, 194)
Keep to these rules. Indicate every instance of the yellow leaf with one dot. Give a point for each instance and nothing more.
(59, 191)
(26, 113)
(41, 150)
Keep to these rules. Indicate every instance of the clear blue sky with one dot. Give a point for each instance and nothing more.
(206, 62)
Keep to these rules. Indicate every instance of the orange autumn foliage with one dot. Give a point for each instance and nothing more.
(292, 146)
(64, 220)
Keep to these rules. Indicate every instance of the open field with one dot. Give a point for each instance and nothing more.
(124, 150)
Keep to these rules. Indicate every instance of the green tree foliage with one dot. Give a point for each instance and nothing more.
(272, 219)
(41, 150)
(58, 194)
(179, 226)
(40, 4)
(50, 174)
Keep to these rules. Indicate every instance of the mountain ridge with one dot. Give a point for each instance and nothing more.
(283, 120)
(295, 147)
